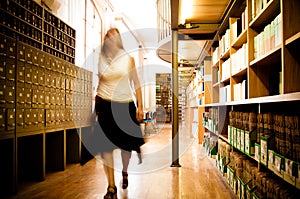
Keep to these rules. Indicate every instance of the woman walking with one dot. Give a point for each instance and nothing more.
(119, 107)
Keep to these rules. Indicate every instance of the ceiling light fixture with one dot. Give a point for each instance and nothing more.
(188, 26)
(185, 10)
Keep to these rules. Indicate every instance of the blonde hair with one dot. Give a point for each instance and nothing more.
(106, 46)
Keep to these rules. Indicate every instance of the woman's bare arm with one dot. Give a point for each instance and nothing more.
(138, 91)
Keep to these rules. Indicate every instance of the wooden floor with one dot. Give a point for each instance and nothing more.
(154, 178)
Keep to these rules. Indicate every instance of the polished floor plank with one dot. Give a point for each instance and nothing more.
(154, 178)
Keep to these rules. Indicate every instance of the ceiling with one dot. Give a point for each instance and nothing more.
(202, 17)
(140, 18)
(203, 11)
(197, 22)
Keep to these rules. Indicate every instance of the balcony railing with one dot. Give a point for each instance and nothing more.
(163, 19)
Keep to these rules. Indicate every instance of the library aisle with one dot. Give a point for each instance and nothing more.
(196, 178)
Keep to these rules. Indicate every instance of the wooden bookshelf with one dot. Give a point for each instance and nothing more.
(199, 92)
(272, 64)
(291, 62)
(294, 38)
(269, 11)
(242, 38)
(163, 97)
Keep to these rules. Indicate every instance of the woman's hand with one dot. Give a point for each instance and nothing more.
(139, 115)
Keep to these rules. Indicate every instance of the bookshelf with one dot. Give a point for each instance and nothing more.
(264, 73)
(255, 68)
(163, 97)
(193, 98)
(198, 94)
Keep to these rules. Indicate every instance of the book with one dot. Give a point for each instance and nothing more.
(269, 38)
(222, 95)
(226, 69)
(236, 29)
(228, 93)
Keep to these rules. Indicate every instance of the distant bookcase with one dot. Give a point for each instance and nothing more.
(163, 97)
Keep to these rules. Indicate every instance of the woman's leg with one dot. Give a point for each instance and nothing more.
(126, 155)
(109, 168)
(109, 171)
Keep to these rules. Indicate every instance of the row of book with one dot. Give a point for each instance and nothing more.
(235, 28)
(276, 140)
(243, 120)
(247, 181)
(244, 19)
(226, 69)
(216, 56)
(284, 129)
(225, 94)
(238, 25)
(217, 75)
(269, 38)
(258, 6)
(224, 42)
(211, 120)
(240, 91)
(239, 60)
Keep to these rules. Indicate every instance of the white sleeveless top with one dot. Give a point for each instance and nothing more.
(114, 82)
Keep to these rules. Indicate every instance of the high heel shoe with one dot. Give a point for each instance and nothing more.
(124, 180)
(111, 193)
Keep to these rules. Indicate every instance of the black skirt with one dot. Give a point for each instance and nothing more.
(119, 128)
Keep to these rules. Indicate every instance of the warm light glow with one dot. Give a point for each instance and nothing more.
(185, 10)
